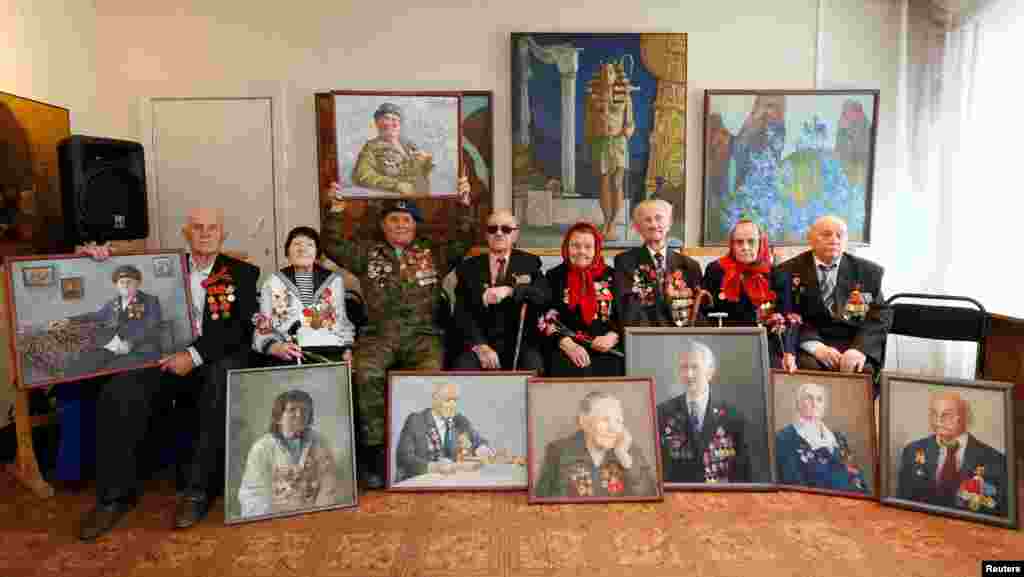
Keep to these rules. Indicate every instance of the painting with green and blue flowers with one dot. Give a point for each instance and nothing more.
(784, 158)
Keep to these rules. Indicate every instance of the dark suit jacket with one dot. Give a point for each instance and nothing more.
(567, 462)
(867, 336)
(683, 449)
(420, 443)
(917, 480)
(228, 337)
(631, 310)
(139, 325)
(496, 325)
(743, 310)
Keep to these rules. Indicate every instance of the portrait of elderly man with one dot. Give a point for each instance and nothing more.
(701, 436)
(127, 327)
(429, 438)
(390, 162)
(809, 453)
(491, 290)
(951, 467)
(640, 272)
(828, 280)
(291, 467)
(223, 293)
(599, 460)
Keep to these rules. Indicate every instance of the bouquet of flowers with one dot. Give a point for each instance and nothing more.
(549, 325)
(778, 324)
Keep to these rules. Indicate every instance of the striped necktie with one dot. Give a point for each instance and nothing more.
(828, 286)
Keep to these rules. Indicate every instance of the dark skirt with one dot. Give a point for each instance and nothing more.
(601, 365)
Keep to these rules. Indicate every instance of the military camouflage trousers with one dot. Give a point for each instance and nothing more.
(373, 356)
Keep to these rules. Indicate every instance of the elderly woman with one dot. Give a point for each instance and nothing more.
(743, 281)
(302, 307)
(582, 322)
(808, 453)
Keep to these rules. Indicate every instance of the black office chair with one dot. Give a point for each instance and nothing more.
(940, 321)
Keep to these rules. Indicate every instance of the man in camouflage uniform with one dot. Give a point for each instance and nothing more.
(401, 283)
(389, 162)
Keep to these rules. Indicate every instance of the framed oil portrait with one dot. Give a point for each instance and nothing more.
(128, 319)
(569, 416)
(397, 144)
(72, 288)
(456, 431)
(598, 125)
(824, 428)
(713, 396)
(785, 157)
(163, 267)
(290, 442)
(947, 447)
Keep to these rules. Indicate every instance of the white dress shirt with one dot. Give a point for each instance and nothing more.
(962, 439)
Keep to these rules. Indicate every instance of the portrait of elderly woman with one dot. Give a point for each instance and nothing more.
(291, 467)
(810, 453)
(601, 459)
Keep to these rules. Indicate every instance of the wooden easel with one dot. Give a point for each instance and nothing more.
(26, 466)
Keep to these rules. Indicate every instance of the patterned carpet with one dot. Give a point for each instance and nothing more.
(498, 534)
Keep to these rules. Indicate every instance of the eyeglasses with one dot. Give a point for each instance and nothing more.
(506, 229)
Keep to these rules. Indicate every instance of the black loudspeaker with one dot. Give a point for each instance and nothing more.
(103, 182)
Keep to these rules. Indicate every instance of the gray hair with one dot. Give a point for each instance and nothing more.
(588, 402)
(806, 388)
(691, 346)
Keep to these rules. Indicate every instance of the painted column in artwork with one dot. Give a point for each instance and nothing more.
(566, 57)
(664, 56)
(523, 53)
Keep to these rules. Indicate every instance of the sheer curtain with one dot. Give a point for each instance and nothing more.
(957, 226)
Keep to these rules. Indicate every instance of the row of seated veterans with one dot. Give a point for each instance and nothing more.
(577, 311)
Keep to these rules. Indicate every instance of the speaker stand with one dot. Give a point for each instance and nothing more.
(26, 467)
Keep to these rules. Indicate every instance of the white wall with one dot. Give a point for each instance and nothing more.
(289, 50)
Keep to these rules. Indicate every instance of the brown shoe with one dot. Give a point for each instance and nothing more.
(189, 511)
(101, 520)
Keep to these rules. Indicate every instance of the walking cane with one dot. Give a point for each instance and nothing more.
(519, 336)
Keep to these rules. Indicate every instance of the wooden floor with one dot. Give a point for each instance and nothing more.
(499, 534)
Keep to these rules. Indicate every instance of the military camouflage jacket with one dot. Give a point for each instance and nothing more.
(383, 166)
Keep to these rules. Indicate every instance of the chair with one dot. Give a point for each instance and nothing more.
(940, 321)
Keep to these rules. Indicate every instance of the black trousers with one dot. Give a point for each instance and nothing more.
(123, 410)
(601, 365)
(530, 359)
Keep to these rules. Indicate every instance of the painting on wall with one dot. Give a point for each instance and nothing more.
(30, 196)
(783, 158)
(598, 124)
(101, 318)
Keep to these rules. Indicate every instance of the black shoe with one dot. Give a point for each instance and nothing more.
(190, 510)
(102, 519)
(372, 467)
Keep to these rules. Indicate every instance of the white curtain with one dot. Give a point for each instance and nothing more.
(957, 228)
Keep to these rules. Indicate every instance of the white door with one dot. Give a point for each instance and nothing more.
(216, 153)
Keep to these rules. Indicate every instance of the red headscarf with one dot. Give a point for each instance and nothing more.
(581, 280)
(750, 276)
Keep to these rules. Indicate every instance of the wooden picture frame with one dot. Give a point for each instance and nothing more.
(57, 339)
(560, 467)
(984, 487)
(72, 288)
(754, 168)
(842, 459)
(254, 454)
(730, 448)
(489, 421)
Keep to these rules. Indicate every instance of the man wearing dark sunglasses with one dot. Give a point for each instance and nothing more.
(492, 289)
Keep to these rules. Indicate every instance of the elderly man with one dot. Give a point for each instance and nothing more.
(640, 272)
(223, 292)
(291, 467)
(701, 436)
(128, 327)
(599, 460)
(809, 453)
(491, 290)
(389, 162)
(833, 335)
(401, 281)
(951, 467)
(430, 438)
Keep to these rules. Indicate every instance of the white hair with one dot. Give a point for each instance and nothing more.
(691, 346)
(806, 388)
